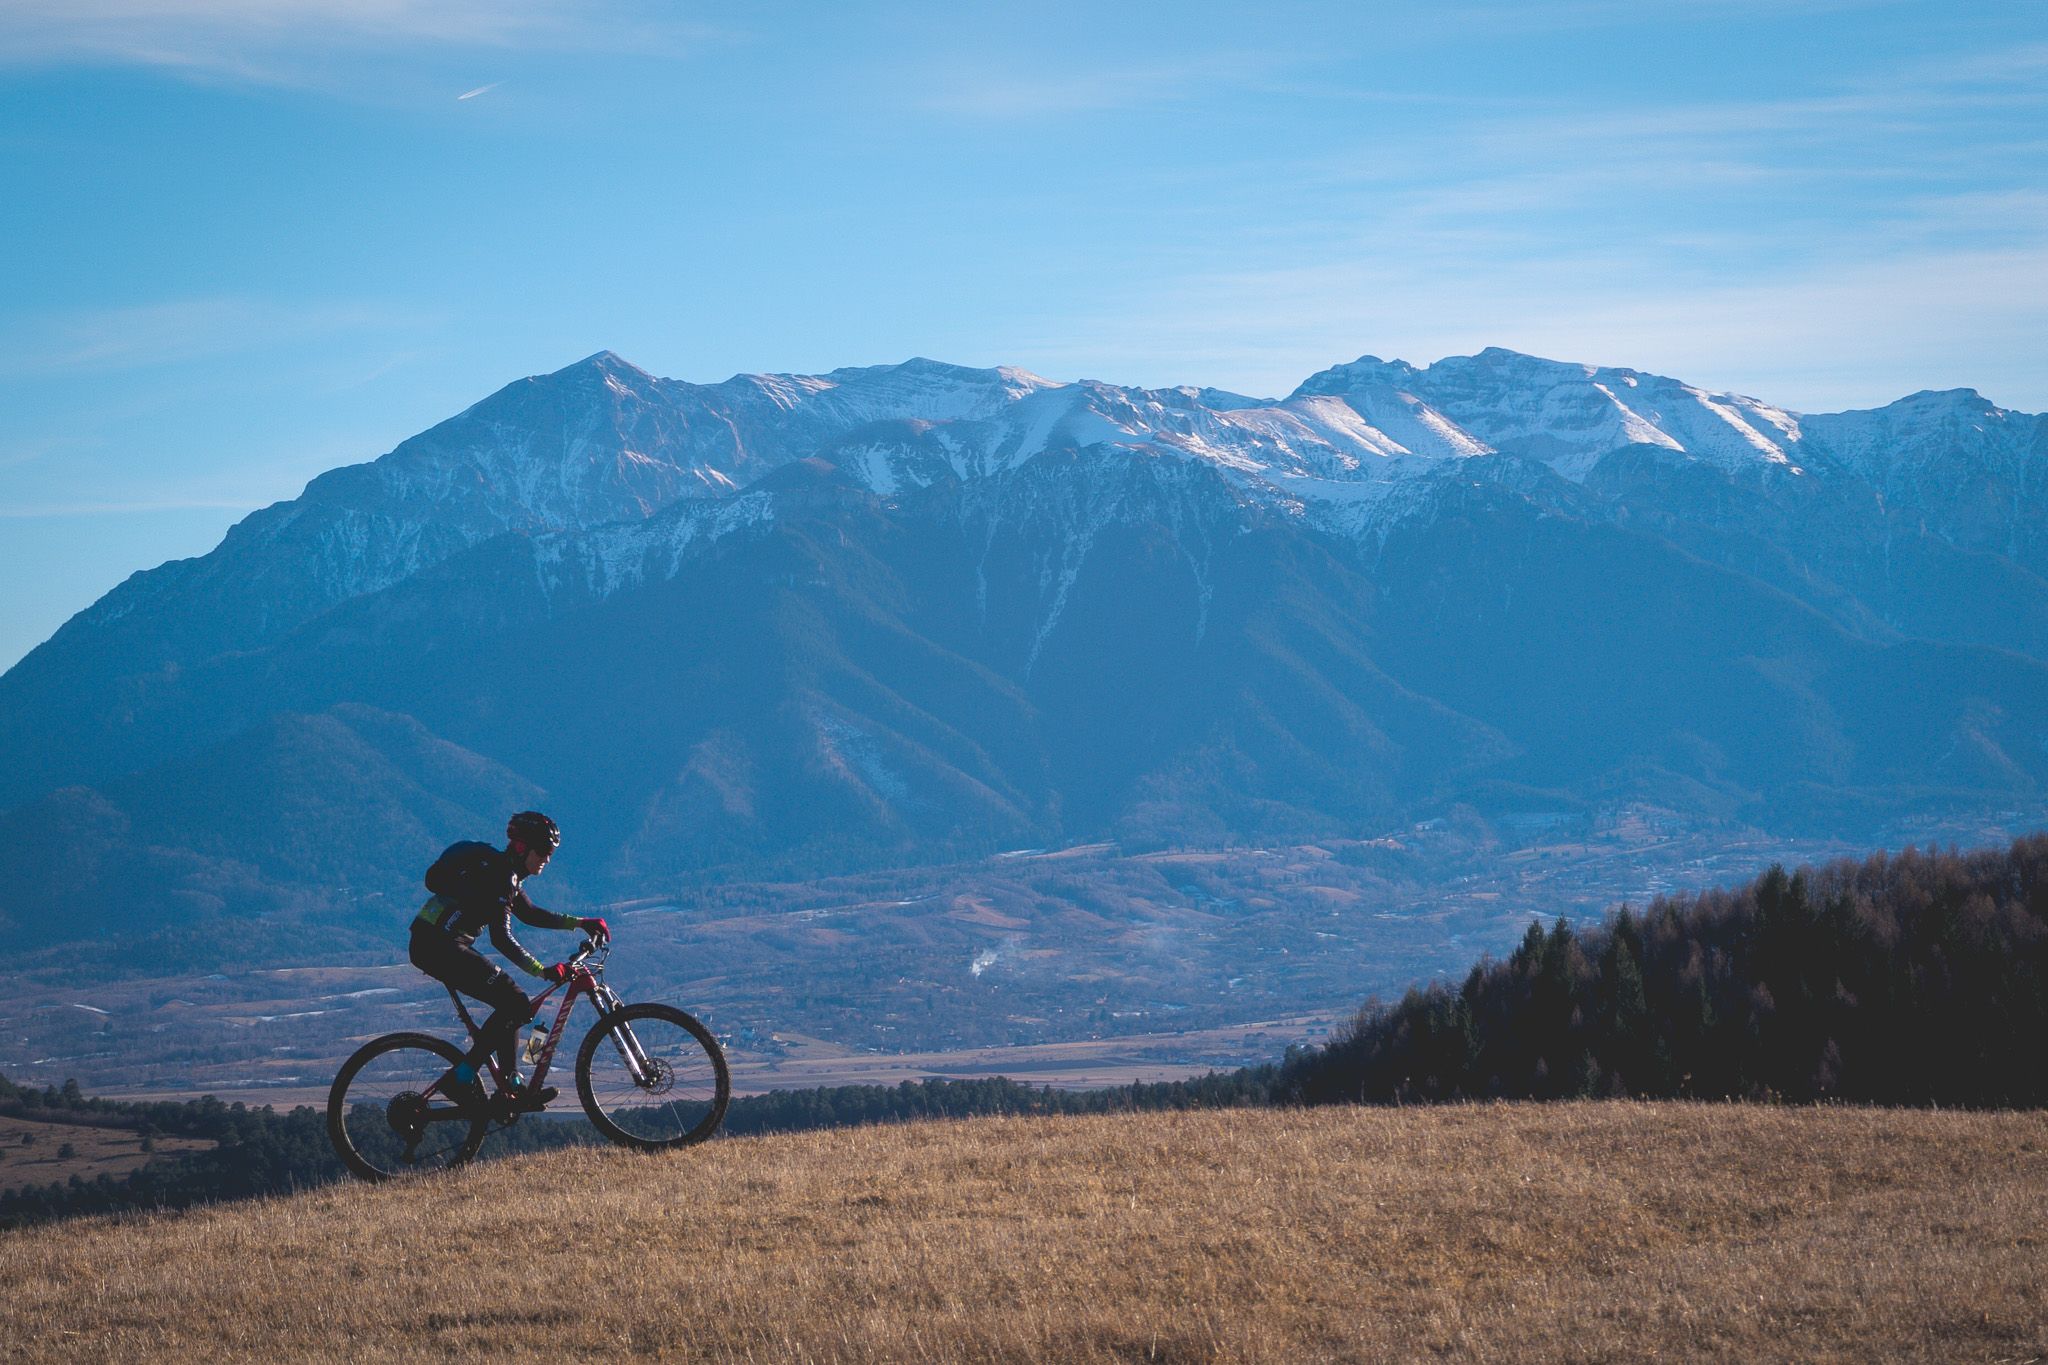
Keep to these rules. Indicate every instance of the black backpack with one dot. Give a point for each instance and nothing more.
(455, 875)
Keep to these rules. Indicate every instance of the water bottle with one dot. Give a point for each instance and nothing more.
(538, 1041)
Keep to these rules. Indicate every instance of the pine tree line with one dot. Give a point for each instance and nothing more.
(1920, 978)
(256, 1152)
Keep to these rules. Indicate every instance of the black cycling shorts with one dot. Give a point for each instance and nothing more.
(448, 959)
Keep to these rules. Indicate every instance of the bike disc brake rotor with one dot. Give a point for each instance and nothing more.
(660, 1077)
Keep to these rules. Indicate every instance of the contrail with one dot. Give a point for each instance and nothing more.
(479, 90)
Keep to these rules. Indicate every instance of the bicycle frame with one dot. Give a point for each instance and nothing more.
(414, 1084)
(581, 981)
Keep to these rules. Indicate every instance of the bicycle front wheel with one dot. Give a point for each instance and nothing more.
(380, 1118)
(651, 1077)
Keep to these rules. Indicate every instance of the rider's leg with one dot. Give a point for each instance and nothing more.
(510, 1011)
(461, 966)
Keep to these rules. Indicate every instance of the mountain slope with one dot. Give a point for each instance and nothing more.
(283, 818)
(915, 610)
(598, 442)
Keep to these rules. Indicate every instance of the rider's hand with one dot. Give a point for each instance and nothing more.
(598, 930)
(556, 974)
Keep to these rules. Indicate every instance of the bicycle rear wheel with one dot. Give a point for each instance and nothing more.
(651, 1077)
(380, 1119)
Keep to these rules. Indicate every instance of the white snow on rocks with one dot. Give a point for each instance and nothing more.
(1354, 449)
(1927, 433)
(596, 459)
(1569, 416)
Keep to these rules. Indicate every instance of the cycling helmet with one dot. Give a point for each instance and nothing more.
(530, 829)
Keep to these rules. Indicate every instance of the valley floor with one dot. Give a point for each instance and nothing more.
(1077, 968)
(1500, 1232)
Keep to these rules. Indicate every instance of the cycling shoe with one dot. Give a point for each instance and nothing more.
(524, 1100)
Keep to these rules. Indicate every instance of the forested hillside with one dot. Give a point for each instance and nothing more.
(1920, 978)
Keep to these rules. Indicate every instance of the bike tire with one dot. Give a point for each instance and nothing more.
(368, 1104)
(681, 1104)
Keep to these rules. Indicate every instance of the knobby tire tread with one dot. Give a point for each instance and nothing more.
(337, 1113)
(602, 1121)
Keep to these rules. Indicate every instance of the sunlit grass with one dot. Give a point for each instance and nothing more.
(1498, 1232)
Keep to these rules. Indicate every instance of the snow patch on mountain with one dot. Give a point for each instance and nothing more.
(1353, 453)
(580, 566)
(1954, 428)
(1569, 415)
(928, 390)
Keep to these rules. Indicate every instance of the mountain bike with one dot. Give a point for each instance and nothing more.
(649, 1077)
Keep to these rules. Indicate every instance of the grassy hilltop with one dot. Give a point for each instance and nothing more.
(1523, 1232)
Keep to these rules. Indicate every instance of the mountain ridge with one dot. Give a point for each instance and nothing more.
(481, 469)
(895, 610)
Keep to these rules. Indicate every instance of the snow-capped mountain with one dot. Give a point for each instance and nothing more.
(597, 443)
(1353, 450)
(1568, 416)
(910, 605)
(1974, 473)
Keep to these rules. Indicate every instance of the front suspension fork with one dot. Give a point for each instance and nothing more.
(630, 1051)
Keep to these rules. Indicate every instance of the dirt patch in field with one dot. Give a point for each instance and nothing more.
(33, 1152)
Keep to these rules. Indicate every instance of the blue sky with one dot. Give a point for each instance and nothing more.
(243, 241)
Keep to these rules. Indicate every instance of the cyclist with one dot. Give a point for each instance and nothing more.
(476, 888)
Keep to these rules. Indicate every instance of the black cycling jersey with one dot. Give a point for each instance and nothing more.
(476, 888)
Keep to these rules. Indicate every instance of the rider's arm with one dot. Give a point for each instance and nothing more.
(529, 913)
(510, 948)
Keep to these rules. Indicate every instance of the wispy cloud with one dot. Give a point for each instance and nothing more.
(111, 339)
(275, 40)
(1934, 159)
(1821, 251)
(101, 509)
(1302, 48)
(480, 90)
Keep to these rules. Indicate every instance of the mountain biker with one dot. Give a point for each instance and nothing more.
(476, 888)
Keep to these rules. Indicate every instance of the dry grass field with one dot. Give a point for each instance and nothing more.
(1580, 1232)
(32, 1152)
